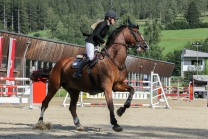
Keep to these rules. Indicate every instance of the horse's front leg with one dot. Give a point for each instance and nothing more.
(109, 100)
(124, 87)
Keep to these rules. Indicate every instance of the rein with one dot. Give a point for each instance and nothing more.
(108, 55)
(137, 45)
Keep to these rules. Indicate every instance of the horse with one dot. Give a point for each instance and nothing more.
(108, 73)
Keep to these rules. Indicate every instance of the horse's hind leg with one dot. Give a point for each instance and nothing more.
(127, 104)
(52, 89)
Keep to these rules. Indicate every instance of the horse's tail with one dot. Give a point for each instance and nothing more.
(40, 75)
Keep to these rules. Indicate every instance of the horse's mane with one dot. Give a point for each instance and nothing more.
(113, 34)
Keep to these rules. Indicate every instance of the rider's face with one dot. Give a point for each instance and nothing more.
(113, 21)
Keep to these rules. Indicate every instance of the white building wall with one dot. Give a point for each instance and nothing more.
(187, 64)
(187, 56)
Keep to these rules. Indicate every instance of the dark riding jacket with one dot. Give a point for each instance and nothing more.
(100, 31)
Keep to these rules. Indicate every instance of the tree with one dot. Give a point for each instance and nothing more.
(3, 18)
(152, 34)
(192, 15)
(16, 16)
(182, 6)
(203, 6)
(42, 8)
(5, 14)
(24, 24)
(84, 24)
(60, 31)
(32, 15)
(175, 57)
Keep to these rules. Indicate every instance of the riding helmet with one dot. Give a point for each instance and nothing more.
(111, 13)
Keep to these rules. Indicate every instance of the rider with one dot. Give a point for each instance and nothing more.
(95, 39)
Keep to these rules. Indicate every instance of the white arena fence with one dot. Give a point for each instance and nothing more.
(147, 92)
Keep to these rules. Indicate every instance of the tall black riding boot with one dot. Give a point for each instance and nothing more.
(78, 73)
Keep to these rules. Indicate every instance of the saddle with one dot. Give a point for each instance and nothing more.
(77, 62)
(80, 58)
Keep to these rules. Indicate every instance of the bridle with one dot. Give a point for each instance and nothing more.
(137, 45)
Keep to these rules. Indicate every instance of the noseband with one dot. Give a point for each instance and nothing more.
(137, 44)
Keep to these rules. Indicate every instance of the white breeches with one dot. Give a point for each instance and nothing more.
(91, 50)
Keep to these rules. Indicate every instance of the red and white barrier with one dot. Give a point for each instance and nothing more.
(104, 104)
(38, 92)
(16, 99)
(11, 60)
(188, 96)
(14, 79)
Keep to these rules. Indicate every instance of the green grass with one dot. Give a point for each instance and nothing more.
(41, 34)
(171, 39)
(176, 39)
(61, 93)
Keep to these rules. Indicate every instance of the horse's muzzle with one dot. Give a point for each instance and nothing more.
(143, 48)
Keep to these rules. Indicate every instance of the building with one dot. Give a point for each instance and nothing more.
(189, 59)
(44, 53)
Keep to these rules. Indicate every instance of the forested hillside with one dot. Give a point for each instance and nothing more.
(66, 20)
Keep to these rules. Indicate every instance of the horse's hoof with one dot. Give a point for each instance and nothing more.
(117, 128)
(79, 127)
(120, 111)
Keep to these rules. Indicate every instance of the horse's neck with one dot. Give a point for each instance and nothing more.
(118, 50)
(118, 53)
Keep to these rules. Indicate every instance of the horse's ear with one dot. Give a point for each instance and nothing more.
(131, 25)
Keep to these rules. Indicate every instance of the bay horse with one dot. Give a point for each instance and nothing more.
(108, 73)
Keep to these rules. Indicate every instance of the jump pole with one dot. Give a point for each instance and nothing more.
(1, 47)
(13, 100)
(104, 104)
